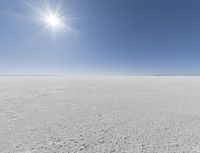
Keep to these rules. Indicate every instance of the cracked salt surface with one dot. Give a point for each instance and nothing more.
(99, 114)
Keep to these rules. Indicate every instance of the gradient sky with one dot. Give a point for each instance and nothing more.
(122, 37)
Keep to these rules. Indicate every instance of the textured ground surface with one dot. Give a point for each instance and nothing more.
(99, 114)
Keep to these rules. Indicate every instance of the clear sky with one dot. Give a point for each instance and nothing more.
(122, 37)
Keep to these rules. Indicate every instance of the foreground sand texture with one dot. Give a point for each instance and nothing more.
(41, 114)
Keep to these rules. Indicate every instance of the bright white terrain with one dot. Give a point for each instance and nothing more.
(41, 114)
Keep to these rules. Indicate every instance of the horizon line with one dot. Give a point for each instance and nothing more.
(75, 75)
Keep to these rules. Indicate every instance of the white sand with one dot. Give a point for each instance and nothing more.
(99, 114)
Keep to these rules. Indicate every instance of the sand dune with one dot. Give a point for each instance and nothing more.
(99, 114)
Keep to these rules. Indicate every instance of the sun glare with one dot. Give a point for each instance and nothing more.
(51, 17)
(53, 21)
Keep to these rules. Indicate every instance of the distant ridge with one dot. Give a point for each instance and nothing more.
(176, 75)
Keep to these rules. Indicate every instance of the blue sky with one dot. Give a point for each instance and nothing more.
(112, 37)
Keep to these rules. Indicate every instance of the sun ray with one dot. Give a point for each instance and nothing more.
(50, 16)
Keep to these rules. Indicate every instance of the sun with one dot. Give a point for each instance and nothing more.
(53, 20)
(51, 17)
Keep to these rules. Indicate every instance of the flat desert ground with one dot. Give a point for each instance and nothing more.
(59, 114)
